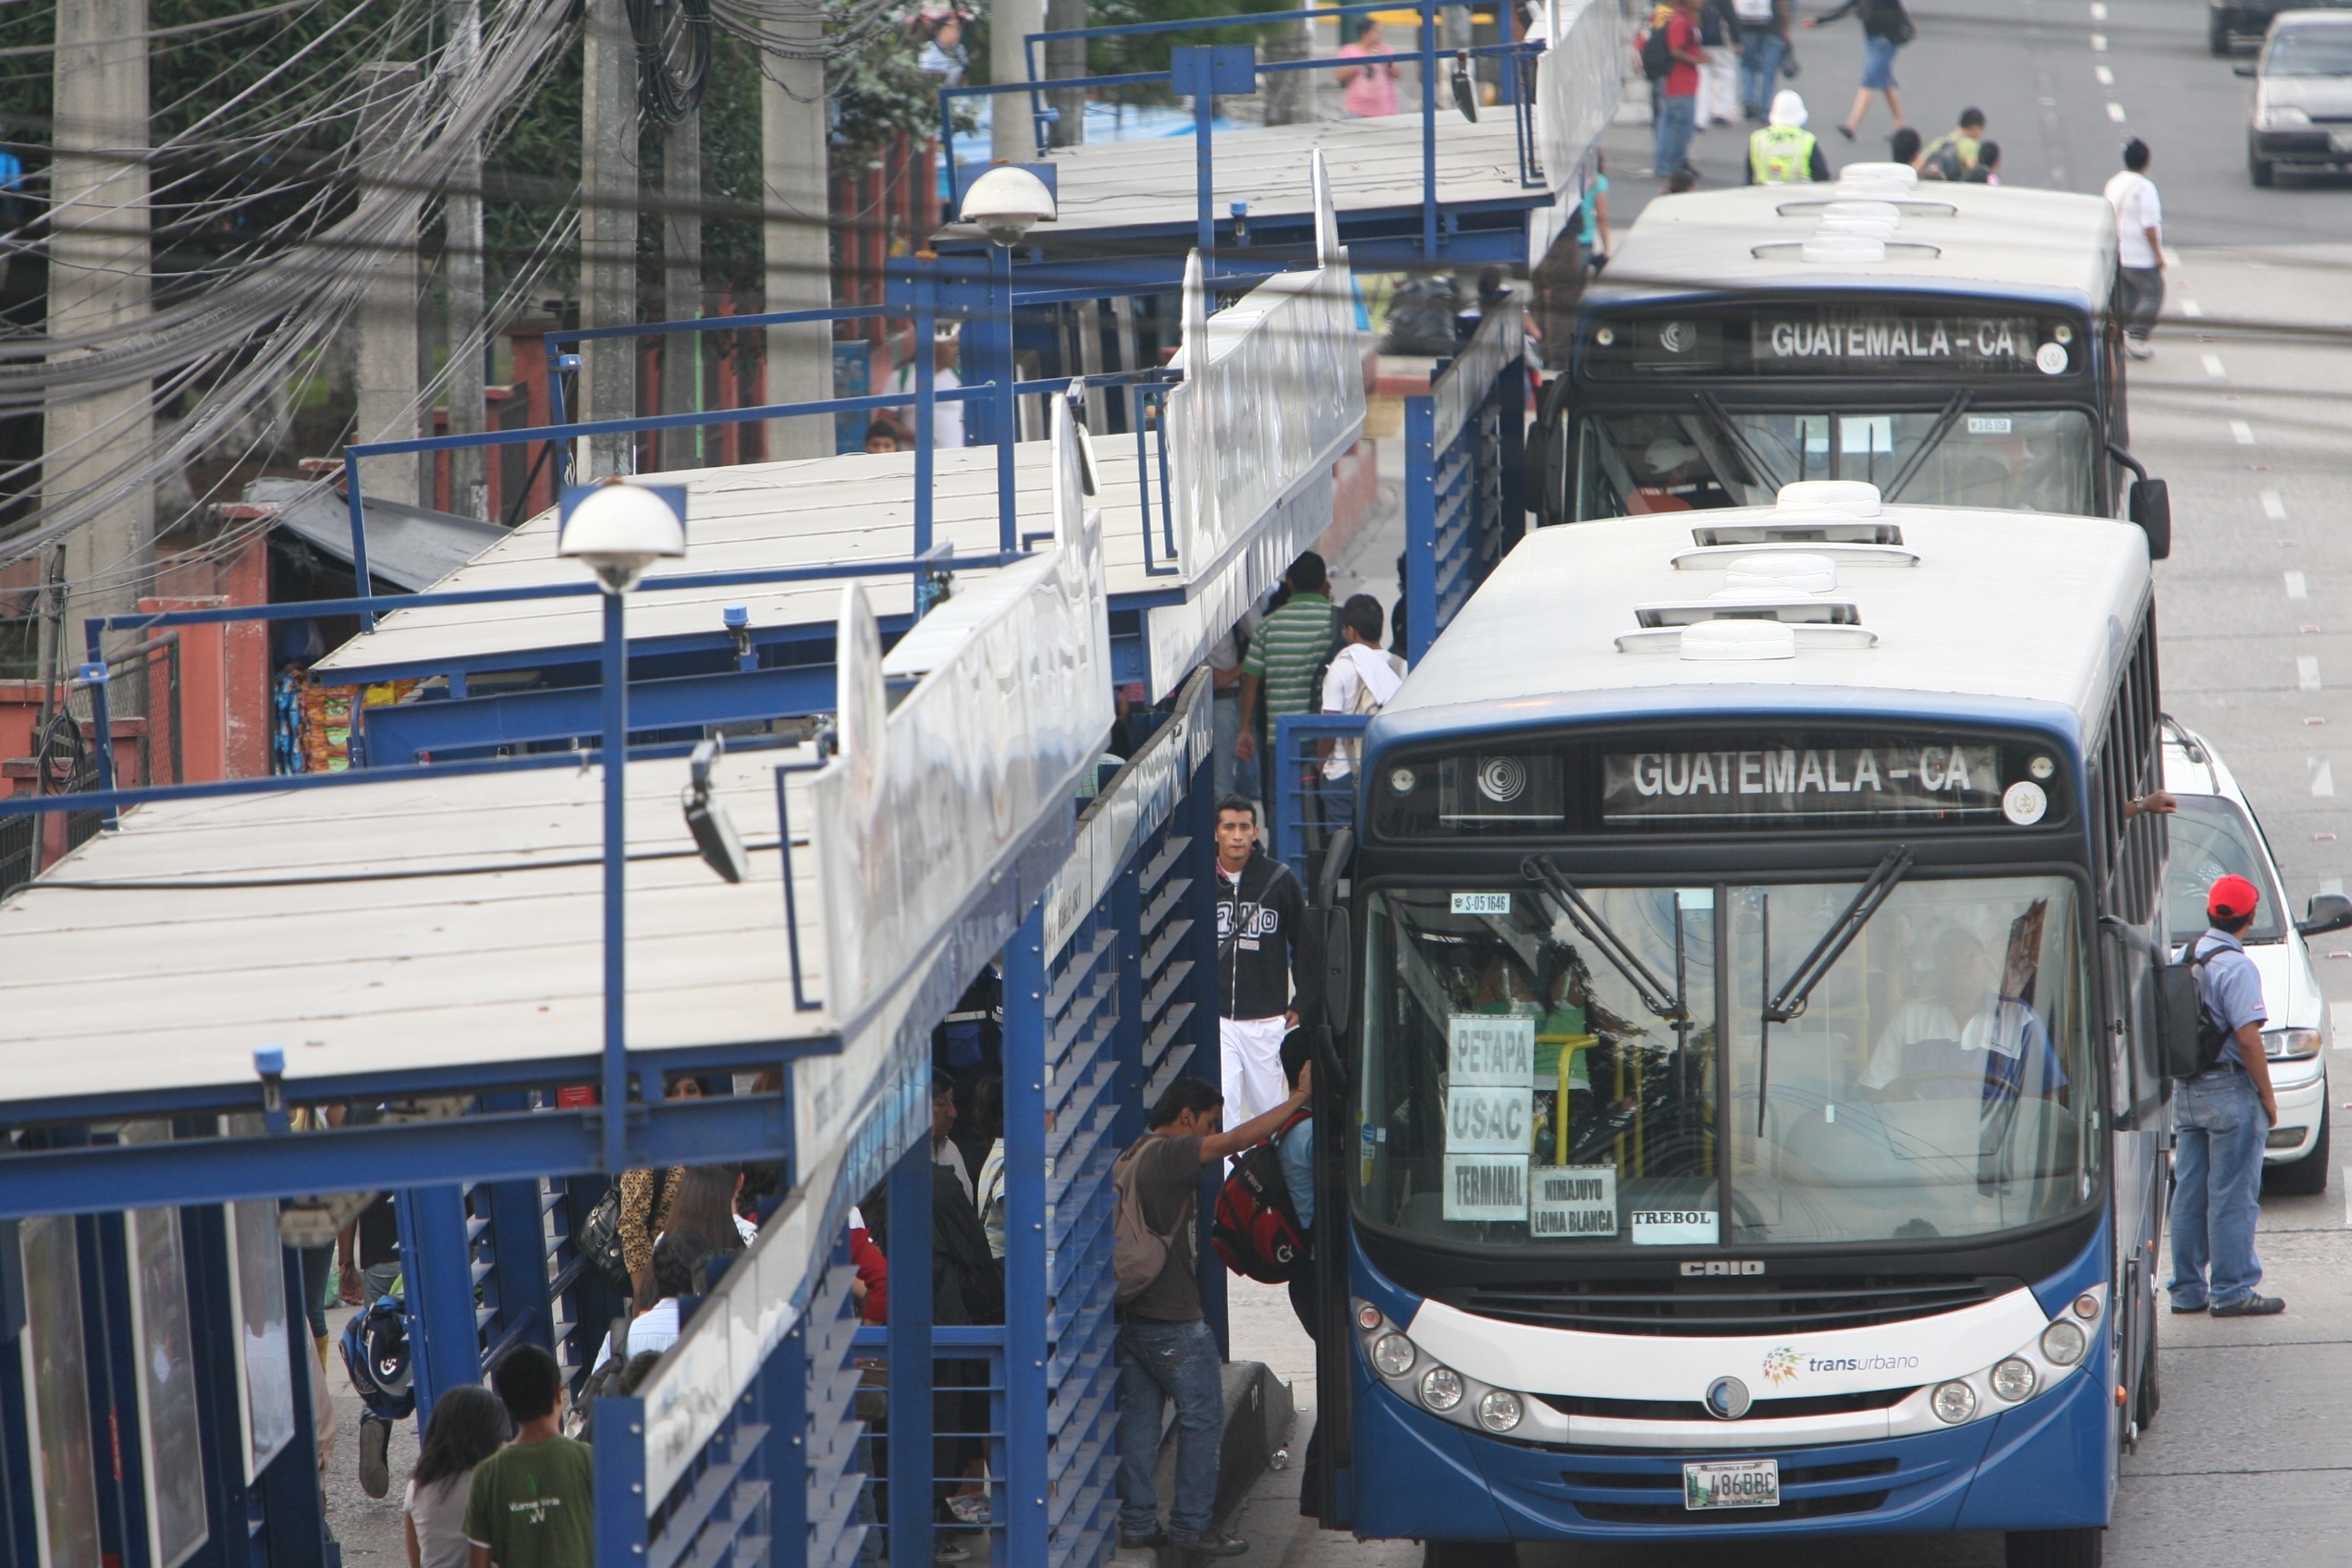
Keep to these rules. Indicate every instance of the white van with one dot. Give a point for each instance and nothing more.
(2214, 833)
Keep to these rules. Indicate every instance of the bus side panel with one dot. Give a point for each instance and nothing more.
(2051, 1465)
(1414, 1479)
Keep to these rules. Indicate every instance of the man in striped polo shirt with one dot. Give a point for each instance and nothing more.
(1287, 655)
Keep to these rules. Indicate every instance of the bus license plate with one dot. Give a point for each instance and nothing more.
(1737, 1483)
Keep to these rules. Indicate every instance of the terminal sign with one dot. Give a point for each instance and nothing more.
(1760, 782)
(1842, 342)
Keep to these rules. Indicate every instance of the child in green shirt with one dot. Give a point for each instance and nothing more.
(533, 1504)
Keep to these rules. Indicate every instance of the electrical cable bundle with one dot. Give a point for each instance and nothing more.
(673, 55)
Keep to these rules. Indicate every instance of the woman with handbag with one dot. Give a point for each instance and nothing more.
(1886, 28)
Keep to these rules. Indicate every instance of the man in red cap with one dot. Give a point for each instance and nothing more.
(2221, 1119)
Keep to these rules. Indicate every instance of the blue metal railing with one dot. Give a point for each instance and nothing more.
(1205, 72)
(1307, 807)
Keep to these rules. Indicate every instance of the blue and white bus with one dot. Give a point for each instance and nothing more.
(1954, 345)
(1753, 1110)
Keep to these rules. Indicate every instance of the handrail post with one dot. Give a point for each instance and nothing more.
(1008, 404)
(925, 416)
(1430, 131)
(359, 536)
(615, 695)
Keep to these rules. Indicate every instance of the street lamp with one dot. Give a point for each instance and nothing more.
(1006, 202)
(619, 530)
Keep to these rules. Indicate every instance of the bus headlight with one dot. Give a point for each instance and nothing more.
(1498, 1411)
(1440, 1388)
(2063, 1343)
(1954, 1403)
(2013, 1379)
(1394, 1355)
(2290, 1045)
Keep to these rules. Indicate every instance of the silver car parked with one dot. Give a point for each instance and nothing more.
(2300, 118)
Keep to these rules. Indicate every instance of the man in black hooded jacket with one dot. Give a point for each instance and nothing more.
(1269, 962)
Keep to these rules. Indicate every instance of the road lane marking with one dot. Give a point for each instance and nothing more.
(2322, 776)
(2098, 11)
(2106, 77)
(2332, 885)
(2307, 672)
(2191, 308)
(2099, 42)
(2296, 588)
(2115, 111)
(2347, 1196)
(2242, 431)
(2272, 504)
(2213, 367)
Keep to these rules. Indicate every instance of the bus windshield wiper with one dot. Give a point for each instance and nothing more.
(1728, 429)
(1929, 442)
(1663, 1000)
(1787, 1004)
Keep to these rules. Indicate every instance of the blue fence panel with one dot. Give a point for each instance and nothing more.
(1308, 806)
(1464, 445)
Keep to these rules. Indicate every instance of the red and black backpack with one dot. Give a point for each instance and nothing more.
(1256, 1231)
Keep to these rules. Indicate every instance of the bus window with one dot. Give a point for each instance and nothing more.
(1941, 1081)
(2034, 460)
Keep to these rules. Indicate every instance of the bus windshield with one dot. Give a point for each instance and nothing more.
(2030, 459)
(1523, 1087)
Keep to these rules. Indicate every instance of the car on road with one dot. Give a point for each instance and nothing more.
(2299, 120)
(2216, 834)
(2226, 21)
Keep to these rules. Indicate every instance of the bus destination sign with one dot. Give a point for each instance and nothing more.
(1760, 781)
(1838, 342)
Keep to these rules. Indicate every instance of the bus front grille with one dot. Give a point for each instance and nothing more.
(1675, 1514)
(1726, 1307)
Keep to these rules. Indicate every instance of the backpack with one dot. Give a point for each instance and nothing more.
(1657, 53)
(1138, 1253)
(375, 1355)
(1943, 160)
(2212, 1032)
(1256, 1231)
(598, 1239)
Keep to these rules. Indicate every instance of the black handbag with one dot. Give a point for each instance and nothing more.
(1790, 69)
(598, 1238)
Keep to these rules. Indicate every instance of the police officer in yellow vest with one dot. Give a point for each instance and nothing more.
(1784, 152)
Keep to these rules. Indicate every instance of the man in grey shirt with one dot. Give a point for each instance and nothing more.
(1164, 1346)
(2221, 1119)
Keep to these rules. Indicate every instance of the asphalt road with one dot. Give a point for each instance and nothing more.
(2246, 411)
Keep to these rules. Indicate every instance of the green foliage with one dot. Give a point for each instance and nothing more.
(877, 93)
(1148, 52)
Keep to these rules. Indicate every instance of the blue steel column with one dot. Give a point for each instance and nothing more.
(1008, 403)
(1027, 1290)
(616, 694)
(366, 584)
(910, 1367)
(1196, 818)
(293, 1507)
(436, 1275)
(1420, 526)
(783, 1458)
(622, 1534)
(1428, 131)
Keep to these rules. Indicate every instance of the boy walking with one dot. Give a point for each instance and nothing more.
(532, 1505)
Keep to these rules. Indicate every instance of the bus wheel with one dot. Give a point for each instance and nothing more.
(2056, 1549)
(2151, 1394)
(1469, 1554)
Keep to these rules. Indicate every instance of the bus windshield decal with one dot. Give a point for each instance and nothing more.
(1819, 340)
(1891, 779)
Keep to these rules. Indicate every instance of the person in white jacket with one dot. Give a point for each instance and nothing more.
(1359, 679)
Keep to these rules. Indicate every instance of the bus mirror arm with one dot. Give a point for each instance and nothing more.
(2150, 503)
(1339, 966)
(1656, 995)
(2135, 939)
(1337, 852)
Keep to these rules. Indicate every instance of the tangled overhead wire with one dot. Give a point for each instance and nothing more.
(673, 55)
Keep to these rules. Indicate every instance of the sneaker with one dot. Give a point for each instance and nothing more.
(2180, 1311)
(2252, 1307)
(971, 1509)
(376, 1470)
(1210, 1543)
(1847, 131)
(1152, 1542)
(949, 1552)
(2138, 349)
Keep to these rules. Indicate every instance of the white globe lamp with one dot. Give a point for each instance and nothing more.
(620, 530)
(1005, 202)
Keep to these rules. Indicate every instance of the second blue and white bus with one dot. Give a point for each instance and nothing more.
(1751, 1101)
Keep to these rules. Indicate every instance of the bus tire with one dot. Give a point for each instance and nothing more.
(2306, 1177)
(1469, 1554)
(2260, 171)
(2151, 1392)
(2056, 1549)
(2217, 33)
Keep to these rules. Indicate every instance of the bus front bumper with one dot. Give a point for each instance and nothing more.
(2046, 1464)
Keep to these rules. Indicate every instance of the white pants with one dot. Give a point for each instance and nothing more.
(1718, 87)
(1253, 1083)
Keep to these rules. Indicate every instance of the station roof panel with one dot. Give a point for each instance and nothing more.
(1985, 239)
(477, 941)
(1961, 621)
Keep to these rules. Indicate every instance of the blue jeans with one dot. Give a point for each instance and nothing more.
(1177, 1361)
(1760, 53)
(1229, 774)
(2217, 1134)
(1675, 120)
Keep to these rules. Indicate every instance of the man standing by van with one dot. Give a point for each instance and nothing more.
(2220, 1120)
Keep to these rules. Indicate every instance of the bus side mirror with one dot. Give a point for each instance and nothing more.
(2329, 912)
(2176, 1019)
(2247, 71)
(1339, 970)
(2151, 507)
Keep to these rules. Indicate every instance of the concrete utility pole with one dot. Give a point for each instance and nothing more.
(799, 250)
(98, 269)
(682, 381)
(388, 340)
(1012, 134)
(1289, 95)
(463, 262)
(608, 233)
(1067, 57)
